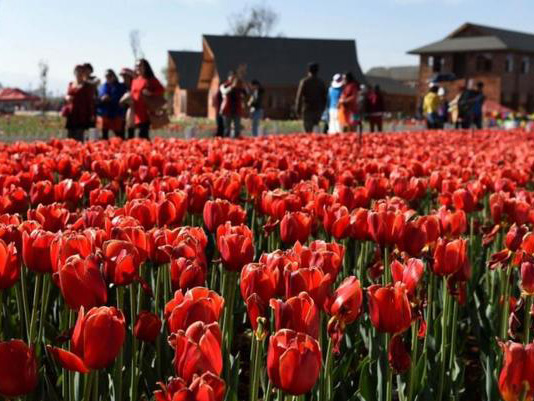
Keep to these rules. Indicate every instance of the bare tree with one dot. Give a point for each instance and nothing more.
(43, 82)
(258, 20)
(135, 44)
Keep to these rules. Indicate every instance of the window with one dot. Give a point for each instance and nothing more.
(509, 65)
(484, 63)
(436, 63)
(430, 61)
(525, 65)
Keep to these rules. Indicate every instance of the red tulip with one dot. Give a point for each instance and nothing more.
(207, 387)
(235, 244)
(198, 304)
(297, 313)
(81, 283)
(346, 301)
(409, 274)
(18, 369)
(389, 308)
(398, 356)
(463, 199)
(450, 257)
(311, 280)
(453, 223)
(197, 350)
(96, 340)
(219, 211)
(42, 192)
(197, 196)
(293, 361)
(69, 192)
(101, 197)
(147, 327)
(295, 226)
(328, 256)
(136, 235)
(121, 262)
(36, 251)
(227, 186)
(256, 308)
(514, 237)
(359, 228)
(336, 221)
(412, 237)
(382, 226)
(186, 274)
(527, 278)
(68, 244)
(517, 374)
(144, 210)
(264, 280)
(171, 209)
(9, 265)
(52, 217)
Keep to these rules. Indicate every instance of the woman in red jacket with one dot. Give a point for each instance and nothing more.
(348, 103)
(145, 89)
(80, 107)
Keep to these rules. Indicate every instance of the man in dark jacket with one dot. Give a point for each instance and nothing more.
(311, 98)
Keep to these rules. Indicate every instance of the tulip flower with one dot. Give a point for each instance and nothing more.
(121, 262)
(81, 283)
(409, 274)
(219, 211)
(197, 196)
(514, 237)
(295, 226)
(68, 191)
(197, 350)
(527, 278)
(207, 387)
(235, 244)
(262, 279)
(171, 209)
(297, 313)
(147, 327)
(328, 256)
(398, 356)
(68, 244)
(198, 304)
(463, 199)
(311, 280)
(450, 257)
(9, 265)
(101, 197)
(381, 226)
(389, 308)
(227, 186)
(336, 221)
(346, 301)
(42, 192)
(517, 373)
(36, 251)
(412, 237)
(359, 228)
(52, 217)
(96, 340)
(18, 369)
(144, 210)
(187, 273)
(294, 361)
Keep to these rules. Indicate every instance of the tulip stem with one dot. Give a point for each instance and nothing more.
(70, 374)
(157, 296)
(268, 392)
(387, 271)
(2, 307)
(444, 339)
(95, 388)
(528, 317)
(44, 305)
(35, 306)
(413, 362)
(88, 387)
(20, 307)
(257, 345)
(328, 371)
(118, 367)
(23, 282)
(133, 315)
(505, 304)
(453, 334)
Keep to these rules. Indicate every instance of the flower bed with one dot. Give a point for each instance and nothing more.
(298, 267)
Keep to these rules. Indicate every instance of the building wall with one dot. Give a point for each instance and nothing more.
(396, 103)
(513, 89)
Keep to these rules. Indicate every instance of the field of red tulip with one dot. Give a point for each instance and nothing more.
(286, 268)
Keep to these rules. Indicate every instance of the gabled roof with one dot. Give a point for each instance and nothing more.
(481, 38)
(16, 95)
(400, 73)
(390, 86)
(283, 61)
(188, 67)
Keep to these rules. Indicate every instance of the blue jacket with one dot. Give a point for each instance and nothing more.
(333, 97)
(111, 108)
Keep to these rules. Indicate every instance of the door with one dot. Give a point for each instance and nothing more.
(458, 65)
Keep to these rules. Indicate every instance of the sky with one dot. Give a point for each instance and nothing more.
(66, 32)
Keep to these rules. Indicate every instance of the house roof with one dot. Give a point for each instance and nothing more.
(400, 73)
(188, 67)
(391, 86)
(16, 95)
(482, 38)
(283, 61)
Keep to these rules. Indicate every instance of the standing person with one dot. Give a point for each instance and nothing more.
(454, 108)
(92, 80)
(217, 102)
(311, 98)
(146, 89)
(80, 105)
(348, 103)
(126, 102)
(478, 103)
(232, 107)
(334, 94)
(375, 108)
(110, 114)
(430, 107)
(255, 103)
(443, 108)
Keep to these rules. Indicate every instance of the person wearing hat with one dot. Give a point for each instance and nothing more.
(128, 75)
(431, 106)
(334, 93)
(311, 98)
(443, 109)
(110, 114)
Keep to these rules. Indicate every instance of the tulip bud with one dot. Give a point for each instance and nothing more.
(235, 244)
(527, 278)
(36, 251)
(398, 356)
(298, 313)
(186, 274)
(18, 369)
(147, 327)
(295, 226)
(389, 308)
(346, 301)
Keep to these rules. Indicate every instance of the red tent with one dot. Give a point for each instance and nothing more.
(16, 95)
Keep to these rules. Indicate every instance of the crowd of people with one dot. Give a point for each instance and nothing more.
(134, 103)
(342, 107)
(463, 111)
